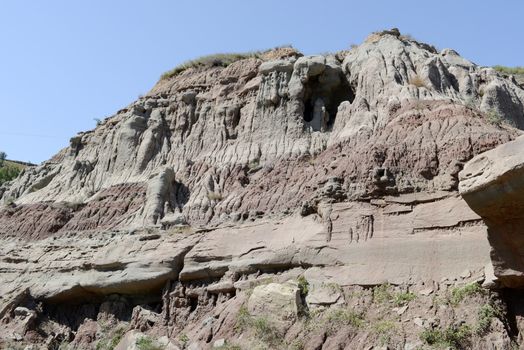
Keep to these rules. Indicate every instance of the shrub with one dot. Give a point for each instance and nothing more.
(117, 337)
(147, 343)
(460, 293)
(345, 317)
(453, 336)
(262, 328)
(303, 286)
(485, 314)
(103, 344)
(184, 339)
(384, 330)
(265, 331)
(243, 319)
(254, 164)
(494, 117)
(382, 293)
(8, 173)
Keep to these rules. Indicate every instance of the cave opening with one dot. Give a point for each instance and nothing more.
(321, 101)
(308, 110)
(193, 303)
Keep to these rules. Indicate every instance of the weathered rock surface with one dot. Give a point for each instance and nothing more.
(282, 301)
(265, 136)
(225, 182)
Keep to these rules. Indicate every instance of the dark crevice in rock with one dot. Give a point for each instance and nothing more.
(193, 303)
(513, 311)
(321, 101)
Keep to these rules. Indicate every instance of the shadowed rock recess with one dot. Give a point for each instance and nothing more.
(280, 202)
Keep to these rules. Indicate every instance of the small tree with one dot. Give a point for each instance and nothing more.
(3, 156)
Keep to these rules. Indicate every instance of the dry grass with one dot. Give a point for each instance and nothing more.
(417, 81)
(225, 59)
(509, 70)
(216, 60)
(215, 196)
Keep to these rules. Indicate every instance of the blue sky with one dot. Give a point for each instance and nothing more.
(65, 63)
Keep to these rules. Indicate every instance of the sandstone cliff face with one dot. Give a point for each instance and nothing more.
(492, 185)
(342, 169)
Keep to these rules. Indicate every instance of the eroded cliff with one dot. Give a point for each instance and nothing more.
(340, 170)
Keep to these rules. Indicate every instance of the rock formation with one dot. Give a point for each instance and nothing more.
(492, 183)
(325, 183)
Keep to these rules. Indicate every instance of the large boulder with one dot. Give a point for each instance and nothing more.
(281, 301)
(492, 184)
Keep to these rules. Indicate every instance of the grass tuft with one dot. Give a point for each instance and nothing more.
(262, 328)
(382, 293)
(494, 117)
(147, 343)
(340, 316)
(403, 298)
(458, 294)
(453, 337)
(110, 342)
(384, 331)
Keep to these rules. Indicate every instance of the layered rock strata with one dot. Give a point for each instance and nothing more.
(320, 180)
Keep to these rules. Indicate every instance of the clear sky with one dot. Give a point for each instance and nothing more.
(65, 63)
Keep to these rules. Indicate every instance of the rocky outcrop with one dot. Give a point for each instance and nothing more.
(223, 187)
(493, 186)
(390, 116)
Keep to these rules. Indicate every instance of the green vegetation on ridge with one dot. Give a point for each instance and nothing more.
(217, 60)
(509, 70)
(9, 169)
